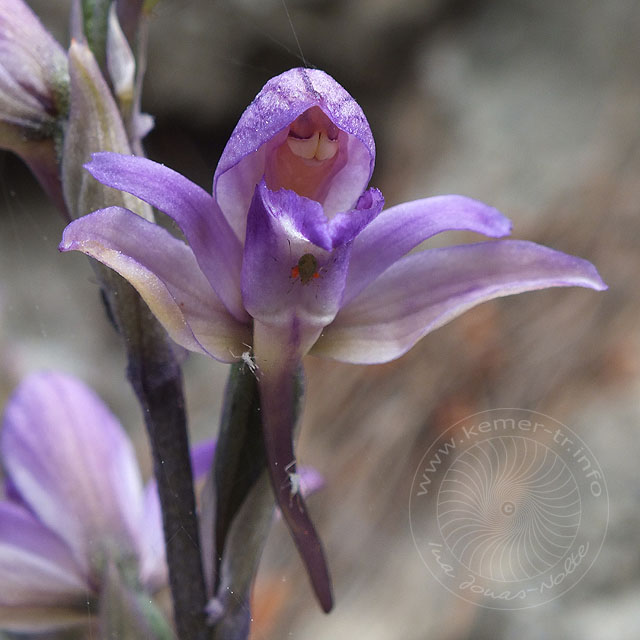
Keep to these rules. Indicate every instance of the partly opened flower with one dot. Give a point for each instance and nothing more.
(292, 254)
(75, 508)
(34, 87)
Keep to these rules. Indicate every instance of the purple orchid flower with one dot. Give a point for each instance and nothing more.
(75, 506)
(292, 254)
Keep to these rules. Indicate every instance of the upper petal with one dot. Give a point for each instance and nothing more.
(74, 466)
(423, 291)
(217, 250)
(399, 229)
(164, 271)
(267, 119)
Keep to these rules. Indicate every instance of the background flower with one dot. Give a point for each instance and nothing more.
(34, 88)
(75, 506)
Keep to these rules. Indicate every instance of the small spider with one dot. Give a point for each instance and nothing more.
(248, 360)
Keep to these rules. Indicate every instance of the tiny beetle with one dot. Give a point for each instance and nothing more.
(306, 269)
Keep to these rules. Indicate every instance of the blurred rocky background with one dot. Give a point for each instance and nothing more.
(530, 105)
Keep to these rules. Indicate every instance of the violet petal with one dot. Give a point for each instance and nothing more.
(311, 480)
(164, 271)
(278, 104)
(202, 459)
(399, 229)
(423, 291)
(36, 567)
(73, 464)
(153, 564)
(217, 250)
(345, 226)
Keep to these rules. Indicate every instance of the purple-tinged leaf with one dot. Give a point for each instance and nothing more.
(230, 609)
(94, 124)
(121, 62)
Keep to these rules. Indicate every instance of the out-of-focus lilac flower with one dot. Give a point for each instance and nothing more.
(33, 71)
(75, 506)
(34, 87)
(75, 509)
(292, 254)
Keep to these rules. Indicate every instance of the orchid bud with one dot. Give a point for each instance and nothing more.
(94, 124)
(121, 62)
(129, 14)
(126, 79)
(34, 86)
